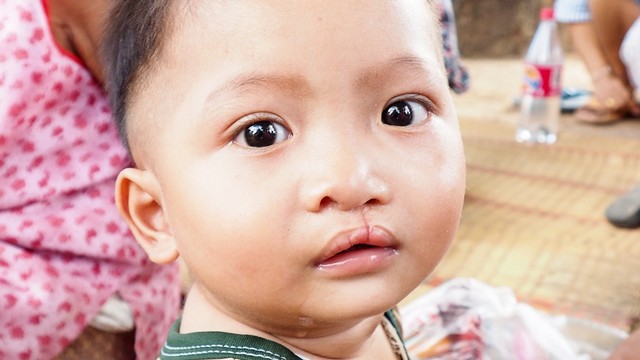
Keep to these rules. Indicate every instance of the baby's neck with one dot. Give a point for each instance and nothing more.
(357, 343)
(364, 339)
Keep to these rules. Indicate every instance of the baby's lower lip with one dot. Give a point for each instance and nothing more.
(358, 261)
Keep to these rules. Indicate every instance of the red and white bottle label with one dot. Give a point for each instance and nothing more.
(542, 80)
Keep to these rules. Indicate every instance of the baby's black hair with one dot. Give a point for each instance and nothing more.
(133, 40)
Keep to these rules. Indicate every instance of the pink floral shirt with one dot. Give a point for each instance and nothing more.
(64, 250)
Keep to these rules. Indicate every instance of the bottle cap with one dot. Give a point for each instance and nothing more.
(546, 13)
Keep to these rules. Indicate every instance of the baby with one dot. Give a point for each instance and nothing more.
(302, 157)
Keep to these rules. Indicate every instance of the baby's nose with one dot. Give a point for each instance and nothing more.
(345, 178)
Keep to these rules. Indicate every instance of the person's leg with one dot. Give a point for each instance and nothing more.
(612, 19)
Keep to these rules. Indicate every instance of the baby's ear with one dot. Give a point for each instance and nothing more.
(138, 198)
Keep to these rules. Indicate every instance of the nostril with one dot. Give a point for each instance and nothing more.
(325, 202)
(329, 201)
(345, 193)
(372, 202)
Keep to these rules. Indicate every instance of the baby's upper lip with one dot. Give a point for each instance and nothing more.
(365, 235)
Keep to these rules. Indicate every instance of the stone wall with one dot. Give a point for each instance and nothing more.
(497, 28)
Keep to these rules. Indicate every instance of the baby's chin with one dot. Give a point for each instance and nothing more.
(311, 327)
(350, 312)
(365, 302)
(315, 320)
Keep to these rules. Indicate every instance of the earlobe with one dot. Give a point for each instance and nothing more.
(139, 202)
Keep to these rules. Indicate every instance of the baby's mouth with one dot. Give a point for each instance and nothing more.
(360, 250)
(356, 247)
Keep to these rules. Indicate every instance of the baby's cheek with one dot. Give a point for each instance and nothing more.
(437, 217)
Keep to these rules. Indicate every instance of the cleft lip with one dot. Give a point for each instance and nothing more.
(360, 238)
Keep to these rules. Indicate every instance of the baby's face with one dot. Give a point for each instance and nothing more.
(307, 153)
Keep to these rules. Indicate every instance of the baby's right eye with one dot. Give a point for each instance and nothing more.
(262, 134)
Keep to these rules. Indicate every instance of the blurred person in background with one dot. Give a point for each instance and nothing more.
(606, 34)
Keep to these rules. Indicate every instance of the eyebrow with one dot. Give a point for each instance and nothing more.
(251, 81)
(300, 86)
(408, 63)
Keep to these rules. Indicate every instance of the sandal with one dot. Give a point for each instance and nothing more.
(594, 112)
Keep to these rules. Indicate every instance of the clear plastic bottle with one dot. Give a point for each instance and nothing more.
(540, 106)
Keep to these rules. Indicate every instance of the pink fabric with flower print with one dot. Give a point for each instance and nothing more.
(64, 250)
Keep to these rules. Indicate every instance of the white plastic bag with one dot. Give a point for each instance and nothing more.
(465, 319)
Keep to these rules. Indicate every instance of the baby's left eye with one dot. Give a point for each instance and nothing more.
(405, 113)
(261, 134)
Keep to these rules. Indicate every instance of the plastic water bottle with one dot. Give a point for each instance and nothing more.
(540, 106)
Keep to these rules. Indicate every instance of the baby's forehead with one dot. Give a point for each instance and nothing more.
(174, 23)
(199, 33)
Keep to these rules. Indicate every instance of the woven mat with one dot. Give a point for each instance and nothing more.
(533, 221)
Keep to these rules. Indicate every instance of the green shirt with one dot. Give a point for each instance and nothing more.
(221, 345)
